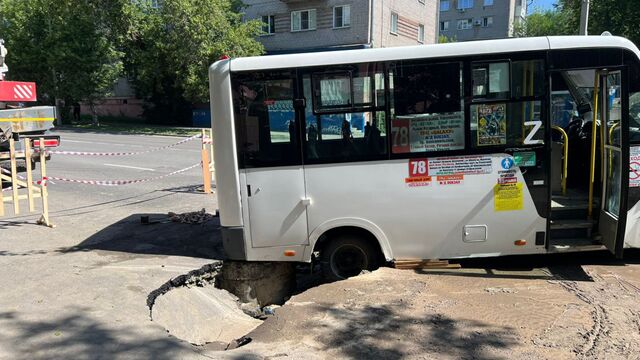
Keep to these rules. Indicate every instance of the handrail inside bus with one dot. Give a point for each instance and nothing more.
(611, 130)
(565, 162)
(594, 135)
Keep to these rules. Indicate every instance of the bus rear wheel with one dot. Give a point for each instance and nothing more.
(344, 257)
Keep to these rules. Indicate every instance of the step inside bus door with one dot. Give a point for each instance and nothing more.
(614, 112)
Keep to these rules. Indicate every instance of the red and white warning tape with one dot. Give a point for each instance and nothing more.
(122, 182)
(20, 177)
(88, 153)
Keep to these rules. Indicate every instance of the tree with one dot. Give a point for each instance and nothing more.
(442, 39)
(545, 23)
(620, 17)
(173, 47)
(68, 47)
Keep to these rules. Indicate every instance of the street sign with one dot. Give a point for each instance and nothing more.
(17, 91)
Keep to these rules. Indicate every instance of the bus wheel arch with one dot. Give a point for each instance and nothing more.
(344, 247)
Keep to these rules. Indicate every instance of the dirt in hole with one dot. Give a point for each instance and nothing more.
(219, 303)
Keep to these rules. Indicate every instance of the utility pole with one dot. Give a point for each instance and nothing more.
(584, 17)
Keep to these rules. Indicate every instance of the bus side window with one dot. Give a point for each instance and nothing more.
(491, 80)
(506, 109)
(427, 107)
(507, 124)
(527, 78)
(345, 121)
(265, 120)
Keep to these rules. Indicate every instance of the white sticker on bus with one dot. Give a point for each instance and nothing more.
(537, 124)
(464, 165)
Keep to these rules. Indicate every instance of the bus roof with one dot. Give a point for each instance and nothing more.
(429, 51)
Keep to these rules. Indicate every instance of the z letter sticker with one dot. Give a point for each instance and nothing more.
(537, 124)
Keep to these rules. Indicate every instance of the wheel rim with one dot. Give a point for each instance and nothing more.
(348, 260)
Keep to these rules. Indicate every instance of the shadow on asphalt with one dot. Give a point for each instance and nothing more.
(160, 237)
(137, 199)
(369, 332)
(79, 336)
(378, 331)
(543, 266)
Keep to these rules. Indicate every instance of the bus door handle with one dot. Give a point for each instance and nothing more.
(305, 201)
(249, 191)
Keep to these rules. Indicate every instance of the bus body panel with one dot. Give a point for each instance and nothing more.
(386, 54)
(422, 221)
(578, 42)
(632, 231)
(276, 208)
(224, 141)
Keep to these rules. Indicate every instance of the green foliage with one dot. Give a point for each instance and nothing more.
(620, 17)
(442, 39)
(173, 47)
(68, 47)
(76, 49)
(546, 23)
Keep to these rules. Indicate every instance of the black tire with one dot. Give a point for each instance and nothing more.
(347, 256)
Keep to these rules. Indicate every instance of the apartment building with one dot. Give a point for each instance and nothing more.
(312, 25)
(465, 20)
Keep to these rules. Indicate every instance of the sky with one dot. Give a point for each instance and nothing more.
(540, 4)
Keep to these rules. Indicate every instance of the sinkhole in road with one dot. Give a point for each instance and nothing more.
(219, 303)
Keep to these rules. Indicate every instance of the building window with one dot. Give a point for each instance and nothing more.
(341, 16)
(465, 24)
(444, 5)
(488, 2)
(444, 25)
(155, 4)
(303, 20)
(465, 4)
(268, 24)
(420, 33)
(487, 21)
(394, 23)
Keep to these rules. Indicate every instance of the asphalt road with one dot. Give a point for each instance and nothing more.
(79, 290)
(67, 197)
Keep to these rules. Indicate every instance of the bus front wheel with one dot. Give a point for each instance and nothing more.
(344, 257)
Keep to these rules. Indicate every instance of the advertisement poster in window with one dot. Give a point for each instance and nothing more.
(437, 132)
(492, 124)
(428, 132)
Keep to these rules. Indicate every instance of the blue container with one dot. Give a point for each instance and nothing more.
(201, 118)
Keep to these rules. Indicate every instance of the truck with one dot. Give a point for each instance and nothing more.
(20, 122)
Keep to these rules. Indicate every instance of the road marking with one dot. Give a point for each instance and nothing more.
(189, 150)
(101, 143)
(129, 167)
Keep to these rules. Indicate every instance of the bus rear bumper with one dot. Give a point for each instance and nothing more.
(233, 243)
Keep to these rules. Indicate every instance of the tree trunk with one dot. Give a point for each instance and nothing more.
(58, 112)
(94, 114)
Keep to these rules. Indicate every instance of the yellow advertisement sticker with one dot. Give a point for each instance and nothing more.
(508, 197)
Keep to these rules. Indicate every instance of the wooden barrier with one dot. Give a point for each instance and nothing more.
(18, 185)
(207, 159)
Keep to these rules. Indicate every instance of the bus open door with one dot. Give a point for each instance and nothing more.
(614, 134)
